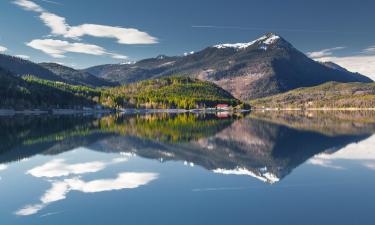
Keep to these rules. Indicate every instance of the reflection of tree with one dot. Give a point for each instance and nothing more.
(23, 137)
(166, 127)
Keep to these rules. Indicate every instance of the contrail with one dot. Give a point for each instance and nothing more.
(267, 29)
(52, 2)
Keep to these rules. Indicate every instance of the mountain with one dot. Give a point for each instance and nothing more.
(328, 95)
(20, 67)
(260, 68)
(77, 77)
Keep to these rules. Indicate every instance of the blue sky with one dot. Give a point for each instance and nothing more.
(82, 33)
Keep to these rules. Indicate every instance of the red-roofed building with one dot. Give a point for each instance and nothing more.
(222, 106)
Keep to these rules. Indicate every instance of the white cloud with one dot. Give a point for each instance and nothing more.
(323, 52)
(23, 56)
(3, 167)
(362, 152)
(56, 23)
(324, 163)
(363, 64)
(58, 26)
(60, 189)
(370, 49)
(58, 168)
(57, 48)
(123, 35)
(3, 49)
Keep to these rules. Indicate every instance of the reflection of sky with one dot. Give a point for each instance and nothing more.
(65, 177)
(362, 153)
(53, 180)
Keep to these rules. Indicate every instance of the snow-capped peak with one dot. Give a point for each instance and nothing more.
(264, 40)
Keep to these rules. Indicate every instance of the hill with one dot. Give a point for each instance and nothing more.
(267, 66)
(77, 77)
(31, 92)
(170, 92)
(328, 95)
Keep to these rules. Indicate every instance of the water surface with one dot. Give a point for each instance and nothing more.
(260, 168)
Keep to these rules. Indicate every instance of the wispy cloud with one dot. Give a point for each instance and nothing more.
(3, 167)
(58, 48)
(361, 153)
(363, 63)
(60, 27)
(57, 172)
(29, 5)
(324, 52)
(370, 49)
(3, 49)
(23, 56)
(360, 63)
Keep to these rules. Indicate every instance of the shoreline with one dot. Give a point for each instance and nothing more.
(12, 112)
(313, 109)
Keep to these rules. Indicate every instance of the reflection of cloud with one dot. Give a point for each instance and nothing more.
(3, 167)
(58, 168)
(324, 163)
(370, 165)
(363, 152)
(60, 189)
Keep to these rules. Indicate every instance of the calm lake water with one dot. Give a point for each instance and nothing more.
(260, 168)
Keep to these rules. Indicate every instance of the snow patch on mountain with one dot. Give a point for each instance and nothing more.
(264, 41)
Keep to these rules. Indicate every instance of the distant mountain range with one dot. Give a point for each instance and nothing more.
(51, 71)
(264, 67)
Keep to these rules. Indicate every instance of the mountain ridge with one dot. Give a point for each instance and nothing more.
(77, 77)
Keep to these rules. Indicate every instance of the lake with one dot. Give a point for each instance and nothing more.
(257, 168)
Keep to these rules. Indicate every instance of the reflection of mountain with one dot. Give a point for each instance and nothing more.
(248, 147)
(259, 145)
